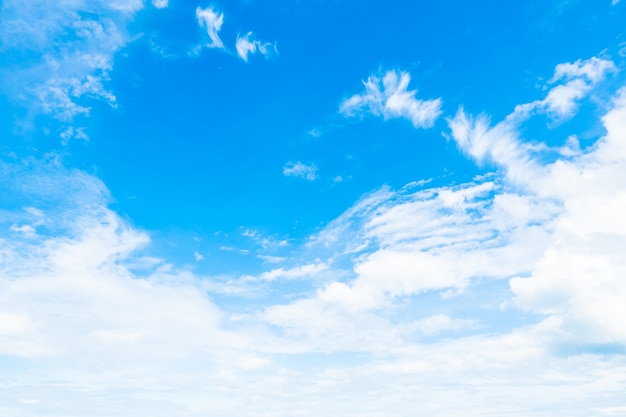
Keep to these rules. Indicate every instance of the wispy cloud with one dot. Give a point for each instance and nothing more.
(211, 20)
(300, 170)
(390, 98)
(294, 273)
(246, 45)
(61, 81)
(560, 103)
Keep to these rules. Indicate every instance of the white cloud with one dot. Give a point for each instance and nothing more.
(303, 271)
(272, 259)
(71, 53)
(73, 296)
(390, 98)
(245, 46)
(580, 77)
(577, 280)
(553, 229)
(212, 21)
(439, 323)
(499, 145)
(160, 4)
(26, 229)
(73, 133)
(300, 170)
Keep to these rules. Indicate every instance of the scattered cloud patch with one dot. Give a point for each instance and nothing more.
(263, 240)
(160, 4)
(315, 132)
(543, 227)
(561, 101)
(73, 133)
(246, 45)
(300, 170)
(62, 81)
(211, 20)
(390, 98)
(304, 271)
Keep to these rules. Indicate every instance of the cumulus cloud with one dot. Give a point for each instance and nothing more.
(300, 170)
(390, 98)
(211, 20)
(246, 45)
(577, 280)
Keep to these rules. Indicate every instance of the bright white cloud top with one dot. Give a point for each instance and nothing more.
(495, 286)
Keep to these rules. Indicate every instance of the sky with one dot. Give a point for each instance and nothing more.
(312, 208)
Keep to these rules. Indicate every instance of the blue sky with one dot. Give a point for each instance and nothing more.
(312, 208)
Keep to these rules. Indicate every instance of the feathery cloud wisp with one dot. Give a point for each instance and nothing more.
(212, 21)
(390, 98)
(246, 45)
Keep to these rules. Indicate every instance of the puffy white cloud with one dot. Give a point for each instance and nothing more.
(300, 170)
(211, 20)
(578, 279)
(246, 45)
(390, 98)
(80, 295)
